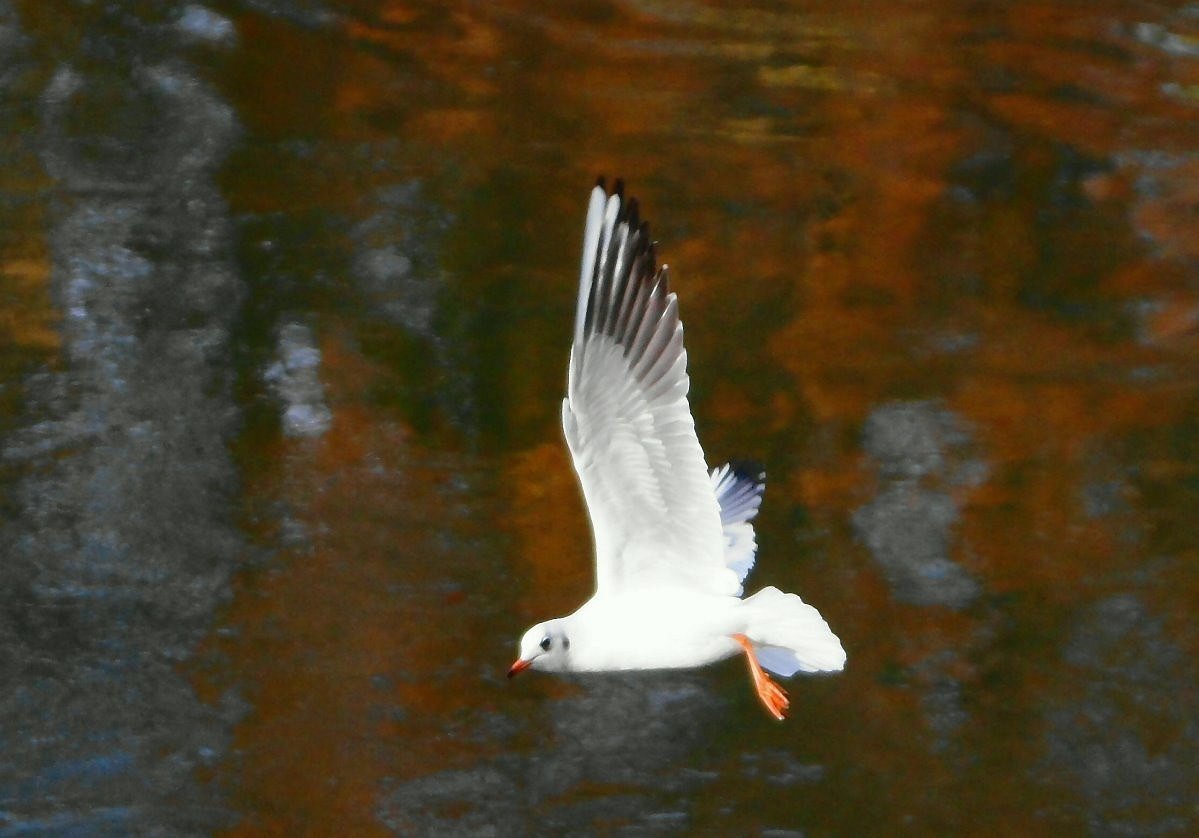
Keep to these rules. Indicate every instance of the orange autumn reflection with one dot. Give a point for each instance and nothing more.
(330, 643)
(552, 539)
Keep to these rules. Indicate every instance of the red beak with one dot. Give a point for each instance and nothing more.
(518, 667)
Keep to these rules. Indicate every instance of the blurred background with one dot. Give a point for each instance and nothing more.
(286, 290)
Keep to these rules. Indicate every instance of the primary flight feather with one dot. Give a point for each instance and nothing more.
(673, 541)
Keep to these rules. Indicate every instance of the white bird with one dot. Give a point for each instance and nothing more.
(673, 541)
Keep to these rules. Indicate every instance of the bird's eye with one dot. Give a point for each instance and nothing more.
(545, 643)
(565, 642)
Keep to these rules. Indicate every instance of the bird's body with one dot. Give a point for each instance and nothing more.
(673, 541)
(651, 628)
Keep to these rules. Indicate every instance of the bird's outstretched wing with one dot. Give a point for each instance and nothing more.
(738, 487)
(652, 504)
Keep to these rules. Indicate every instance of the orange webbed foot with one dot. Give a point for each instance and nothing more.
(773, 697)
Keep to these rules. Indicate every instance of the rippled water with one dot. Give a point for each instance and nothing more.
(287, 290)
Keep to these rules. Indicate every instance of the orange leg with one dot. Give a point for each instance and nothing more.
(772, 695)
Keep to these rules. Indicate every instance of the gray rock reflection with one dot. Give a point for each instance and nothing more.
(294, 377)
(923, 456)
(121, 544)
(908, 527)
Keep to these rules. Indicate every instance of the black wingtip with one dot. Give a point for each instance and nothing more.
(627, 293)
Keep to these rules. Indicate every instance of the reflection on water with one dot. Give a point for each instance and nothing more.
(120, 540)
(286, 305)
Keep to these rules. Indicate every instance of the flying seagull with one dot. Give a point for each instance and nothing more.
(673, 541)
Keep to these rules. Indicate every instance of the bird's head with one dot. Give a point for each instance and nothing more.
(545, 646)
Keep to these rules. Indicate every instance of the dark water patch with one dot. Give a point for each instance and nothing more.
(594, 763)
(102, 820)
(311, 14)
(1121, 735)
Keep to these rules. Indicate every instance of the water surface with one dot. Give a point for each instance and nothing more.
(287, 290)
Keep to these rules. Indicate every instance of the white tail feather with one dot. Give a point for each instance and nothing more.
(789, 635)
